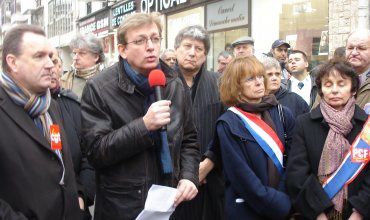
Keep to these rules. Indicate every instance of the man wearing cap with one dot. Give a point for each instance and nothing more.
(243, 46)
(279, 51)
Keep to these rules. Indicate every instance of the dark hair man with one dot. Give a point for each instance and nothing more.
(224, 58)
(340, 53)
(121, 122)
(37, 173)
(301, 81)
(192, 45)
(279, 50)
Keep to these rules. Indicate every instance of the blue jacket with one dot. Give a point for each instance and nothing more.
(245, 164)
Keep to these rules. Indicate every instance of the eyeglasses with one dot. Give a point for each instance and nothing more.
(357, 48)
(144, 40)
(79, 53)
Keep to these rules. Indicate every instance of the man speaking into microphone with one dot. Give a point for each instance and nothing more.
(122, 122)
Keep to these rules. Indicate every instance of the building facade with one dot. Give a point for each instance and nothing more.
(314, 26)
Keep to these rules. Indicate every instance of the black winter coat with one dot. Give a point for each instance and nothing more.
(296, 104)
(71, 116)
(304, 188)
(120, 147)
(206, 109)
(30, 171)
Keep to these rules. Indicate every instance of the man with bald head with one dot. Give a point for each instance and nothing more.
(358, 54)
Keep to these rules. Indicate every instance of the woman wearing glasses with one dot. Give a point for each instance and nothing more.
(252, 143)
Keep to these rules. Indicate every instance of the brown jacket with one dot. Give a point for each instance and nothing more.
(363, 94)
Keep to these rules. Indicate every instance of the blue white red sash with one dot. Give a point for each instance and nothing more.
(264, 135)
(355, 160)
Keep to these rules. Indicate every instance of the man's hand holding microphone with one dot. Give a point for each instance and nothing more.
(157, 117)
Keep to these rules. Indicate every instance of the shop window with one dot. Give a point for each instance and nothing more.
(219, 40)
(304, 24)
(88, 8)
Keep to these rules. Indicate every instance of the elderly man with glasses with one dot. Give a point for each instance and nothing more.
(88, 56)
(121, 121)
(358, 55)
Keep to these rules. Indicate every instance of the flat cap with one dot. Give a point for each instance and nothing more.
(278, 43)
(243, 40)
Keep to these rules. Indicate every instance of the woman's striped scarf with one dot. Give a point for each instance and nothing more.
(36, 107)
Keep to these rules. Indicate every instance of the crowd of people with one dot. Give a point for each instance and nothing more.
(258, 139)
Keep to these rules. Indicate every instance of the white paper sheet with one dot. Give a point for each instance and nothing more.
(158, 204)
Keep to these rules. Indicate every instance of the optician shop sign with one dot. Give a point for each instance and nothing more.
(159, 5)
(227, 14)
(120, 12)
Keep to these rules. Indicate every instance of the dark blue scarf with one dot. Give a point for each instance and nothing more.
(139, 80)
(159, 137)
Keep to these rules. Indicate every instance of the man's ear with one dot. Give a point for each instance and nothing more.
(122, 51)
(11, 60)
(96, 57)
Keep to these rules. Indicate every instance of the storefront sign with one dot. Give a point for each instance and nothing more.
(97, 24)
(227, 14)
(148, 6)
(178, 21)
(120, 12)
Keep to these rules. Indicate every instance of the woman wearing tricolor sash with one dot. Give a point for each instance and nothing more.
(327, 172)
(251, 140)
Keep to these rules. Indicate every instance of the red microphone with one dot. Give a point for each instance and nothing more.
(157, 80)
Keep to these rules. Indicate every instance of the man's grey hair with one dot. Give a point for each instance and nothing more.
(225, 54)
(270, 62)
(164, 53)
(196, 32)
(364, 31)
(88, 42)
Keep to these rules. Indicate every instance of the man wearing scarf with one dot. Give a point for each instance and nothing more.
(121, 121)
(88, 55)
(192, 46)
(37, 173)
